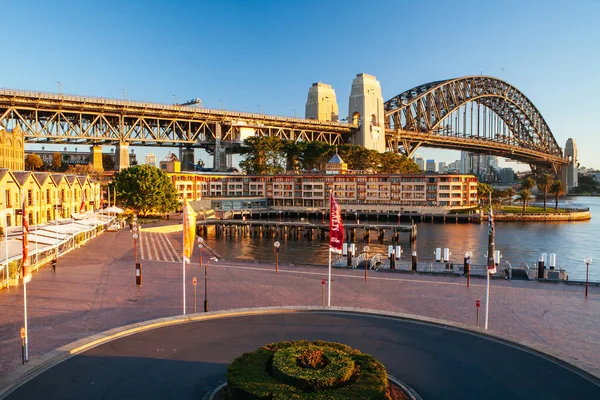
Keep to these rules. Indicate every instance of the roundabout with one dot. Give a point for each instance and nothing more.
(187, 357)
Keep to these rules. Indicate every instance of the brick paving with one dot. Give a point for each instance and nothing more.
(94, 289)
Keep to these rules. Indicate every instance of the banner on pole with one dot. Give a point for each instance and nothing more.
(25, 241)
(336, 228)
(189, 230)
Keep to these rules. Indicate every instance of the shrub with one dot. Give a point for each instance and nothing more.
(304, 370)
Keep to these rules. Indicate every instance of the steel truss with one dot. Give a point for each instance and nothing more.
(501, 121)
(56, 118)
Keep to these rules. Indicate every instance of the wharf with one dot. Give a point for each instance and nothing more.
(260, 228)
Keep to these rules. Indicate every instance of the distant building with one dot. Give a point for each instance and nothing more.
(506, 175)
(443, 168)
(336, 166)
(70, 157)
(478, 165)
(420, 163)
(12, 154)
(431, 166)
(321, 103)
(150, 159)
(170, 163)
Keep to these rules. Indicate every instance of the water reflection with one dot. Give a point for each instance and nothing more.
(517, 241)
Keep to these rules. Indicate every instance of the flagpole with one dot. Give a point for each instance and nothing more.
(36, 228)
(490, 261)
(183, 246)
(72, 214)
(24, 262)
(56, 219)
(6, 240)
(329, 280)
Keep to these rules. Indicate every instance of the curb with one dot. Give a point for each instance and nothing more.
(24, 373)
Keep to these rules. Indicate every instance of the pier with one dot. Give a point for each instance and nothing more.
(298, 229)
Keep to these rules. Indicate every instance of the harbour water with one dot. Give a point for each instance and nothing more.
(517, 241)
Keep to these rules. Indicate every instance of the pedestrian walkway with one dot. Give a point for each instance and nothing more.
(156, 246)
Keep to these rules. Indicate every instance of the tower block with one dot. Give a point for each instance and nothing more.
(365, 109)
(321, 103)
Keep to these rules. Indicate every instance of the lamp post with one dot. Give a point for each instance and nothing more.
(222, 105)
(366, 250)
(175, 98)
(124, 94)
(59, 87)
(467, 266)
(276, 246)
(200, 240)
(587, 261)
(280, 216)
(259, 108)
(294, 110)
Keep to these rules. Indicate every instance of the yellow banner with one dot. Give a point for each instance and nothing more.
(189, 230)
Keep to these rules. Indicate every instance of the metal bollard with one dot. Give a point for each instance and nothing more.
(138, 274)
(414, 261)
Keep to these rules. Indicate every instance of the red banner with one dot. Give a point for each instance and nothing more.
(336, 228)
(25, 231)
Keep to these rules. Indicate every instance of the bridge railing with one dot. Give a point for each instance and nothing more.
(161, 106)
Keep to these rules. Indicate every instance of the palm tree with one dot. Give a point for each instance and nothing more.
(523, 195)
(544, 181)
(558, 188)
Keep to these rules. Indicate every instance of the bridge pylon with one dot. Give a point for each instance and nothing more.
(365, 109)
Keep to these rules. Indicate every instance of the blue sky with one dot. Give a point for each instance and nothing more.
(252, 54)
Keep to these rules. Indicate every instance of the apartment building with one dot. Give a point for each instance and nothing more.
(47, 196)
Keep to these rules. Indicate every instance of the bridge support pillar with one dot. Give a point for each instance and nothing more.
(365, 109)
(186, 155)
(122, 156)
(96, 151)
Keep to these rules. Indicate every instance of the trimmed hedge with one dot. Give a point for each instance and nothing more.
(271, 372)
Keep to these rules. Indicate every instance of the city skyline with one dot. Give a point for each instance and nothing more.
(271, 53)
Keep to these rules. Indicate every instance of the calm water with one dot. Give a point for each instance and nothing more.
(517, 242)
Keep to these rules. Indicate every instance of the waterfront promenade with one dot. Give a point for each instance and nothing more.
(93, 289)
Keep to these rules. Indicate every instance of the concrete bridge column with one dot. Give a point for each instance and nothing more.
(96, 151)
(122, 156)
(187, 159)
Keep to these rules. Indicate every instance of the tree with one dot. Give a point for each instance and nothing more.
(146, 188)
(56, 161)
(108, 162)
(558, 188)
(483, 190)
(264, 156)
(393, 163)
(544, 181)
(33, 162)
(523, 195)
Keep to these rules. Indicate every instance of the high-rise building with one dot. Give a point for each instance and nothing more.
(151, 159)
(430, 166)
(506, 175)
(420, 162)
(442, 167)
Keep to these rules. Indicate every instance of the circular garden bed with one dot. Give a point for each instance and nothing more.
(308, 370)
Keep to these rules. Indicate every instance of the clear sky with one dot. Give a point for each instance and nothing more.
(266, 54)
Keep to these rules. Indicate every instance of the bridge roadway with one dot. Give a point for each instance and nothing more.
(185, 361)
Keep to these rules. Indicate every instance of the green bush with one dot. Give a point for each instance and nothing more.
(275, 372)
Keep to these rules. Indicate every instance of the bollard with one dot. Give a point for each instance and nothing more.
(541, 268)
(414, 261)
(23, 345)
(138, 274)
(53, 262)
(438, 255)
(467, 270)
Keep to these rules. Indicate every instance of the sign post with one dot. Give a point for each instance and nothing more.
(23, 345)
(194, 282)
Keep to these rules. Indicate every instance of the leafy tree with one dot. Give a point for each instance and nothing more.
(56, 161)
(316, 155)
(528, 183)
(393, 163)
(483, 191)
(108, 162)
(146, 188)
(558, 188)
(543, 182)
(33, 162)
(264, 157)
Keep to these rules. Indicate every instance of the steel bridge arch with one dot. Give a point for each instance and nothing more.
(423, 110)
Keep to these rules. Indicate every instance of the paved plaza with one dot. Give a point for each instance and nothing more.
(93, 289)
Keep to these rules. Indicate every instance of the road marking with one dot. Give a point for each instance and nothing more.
(158, 248)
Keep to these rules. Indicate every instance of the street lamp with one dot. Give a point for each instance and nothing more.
(222, 105)
(200, 241)
(587, 261)
(366, 250)
(467, 266)
(206, 282)
(175, 98)
(124, 94)
(259, 108)
(276, 245)
(59, 87)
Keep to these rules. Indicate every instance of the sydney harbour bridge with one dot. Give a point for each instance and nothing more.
(479, 114)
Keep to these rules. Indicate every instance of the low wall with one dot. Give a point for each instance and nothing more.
(568, 216)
